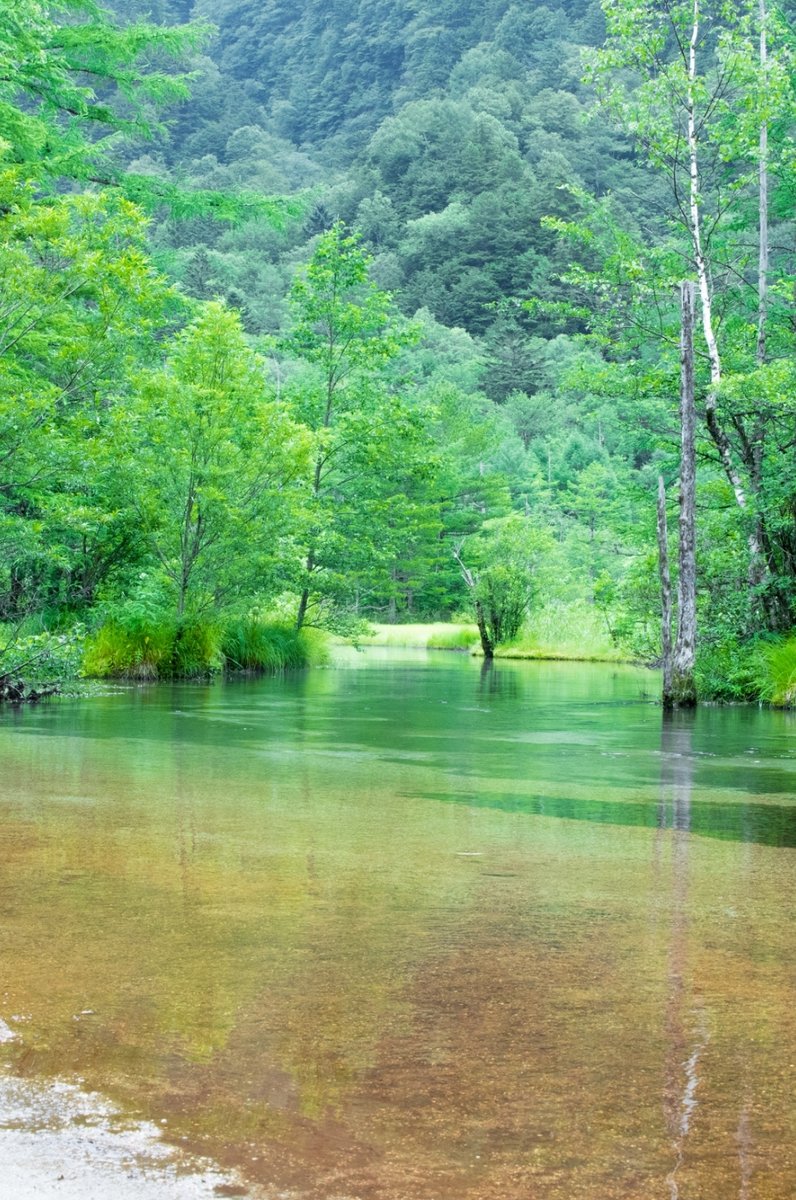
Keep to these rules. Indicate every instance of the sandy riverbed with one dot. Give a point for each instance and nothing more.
(58, 1142)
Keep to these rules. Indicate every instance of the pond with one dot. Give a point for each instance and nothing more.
(412, 929)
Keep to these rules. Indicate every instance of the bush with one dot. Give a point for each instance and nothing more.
(41, 658)
(763, 669)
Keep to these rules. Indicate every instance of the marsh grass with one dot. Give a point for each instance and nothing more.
(433, 635)
(255, 645)
(457, 637)
(779, 686)
(575, 632)
(147, 648)
(732, 671)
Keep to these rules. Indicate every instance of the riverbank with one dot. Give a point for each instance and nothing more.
(58, 1142)
(439, 635)
(760, 671)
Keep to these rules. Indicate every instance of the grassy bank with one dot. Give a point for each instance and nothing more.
(434, 635)
(573, 632)
(165, 648)
(762, 670)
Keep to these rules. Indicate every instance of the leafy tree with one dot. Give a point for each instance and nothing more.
(217, 467)
(366, 434)
(712, 83)
(66, 69)
(80, 305)
(501, 580)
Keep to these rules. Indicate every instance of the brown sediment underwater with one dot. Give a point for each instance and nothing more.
(407, 932)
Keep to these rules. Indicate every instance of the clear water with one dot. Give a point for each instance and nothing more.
(409, 930)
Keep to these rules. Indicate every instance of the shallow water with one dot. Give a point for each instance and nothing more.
(410, 930)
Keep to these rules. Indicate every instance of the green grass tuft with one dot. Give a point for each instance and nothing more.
(134, 646)
(779, 688)
(456, 637)
(129, 646)
(731, 671)
(251, 644)
(574, 632)
(433, 635)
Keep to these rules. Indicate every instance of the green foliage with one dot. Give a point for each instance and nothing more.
(217, 466)
(503, 592)
(139, 642)
(572, 629)
(762, 669)
(41, 658)
(255, 644)
(433, 635)
(71, 80)
(780, 681)
(502, 578)
(137, 645)
(454, 638)
(370, 445)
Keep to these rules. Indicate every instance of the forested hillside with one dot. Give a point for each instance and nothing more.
(319, 314)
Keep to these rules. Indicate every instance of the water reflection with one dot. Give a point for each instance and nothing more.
(413, 931)
(495, 680)
(686, 1026)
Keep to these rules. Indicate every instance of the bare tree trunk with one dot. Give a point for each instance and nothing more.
(717, 433)
(757, 566)
(487, 645)
(666, 595)
(762, 268)
(683, 686)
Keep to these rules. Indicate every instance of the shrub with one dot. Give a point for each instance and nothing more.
(41, 658)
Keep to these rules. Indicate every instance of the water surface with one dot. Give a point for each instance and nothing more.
(411, 930)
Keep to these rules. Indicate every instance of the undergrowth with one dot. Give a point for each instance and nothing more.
(145, 647)
(576, 631)
(780, 683)
(252, 644)
(431, 635)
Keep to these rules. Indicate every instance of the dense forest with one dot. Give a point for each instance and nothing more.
(318, 315)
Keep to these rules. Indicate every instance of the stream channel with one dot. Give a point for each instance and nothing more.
(402, 929)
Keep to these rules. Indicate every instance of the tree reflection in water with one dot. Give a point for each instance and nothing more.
(687, 1032)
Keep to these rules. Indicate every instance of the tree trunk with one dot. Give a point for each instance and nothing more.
(762, 267)
(487, 644)
(666, 595)
(302, 608)
(717, 433)
(392, 603)
(683, 686)
(305, 595)
(758, 571)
